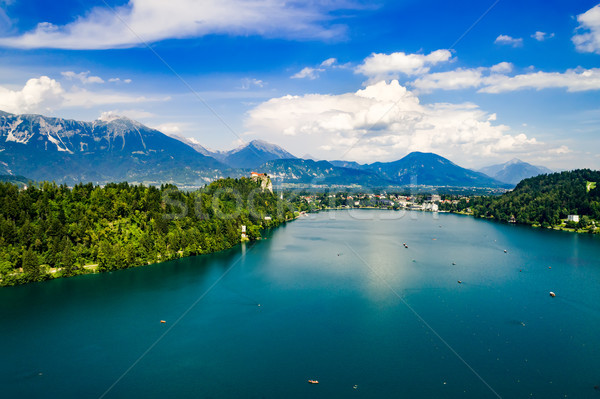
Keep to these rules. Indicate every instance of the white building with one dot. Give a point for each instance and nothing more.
(573, 218)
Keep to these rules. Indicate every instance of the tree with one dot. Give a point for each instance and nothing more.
(66, 260)
(106, 260)
(31, 265)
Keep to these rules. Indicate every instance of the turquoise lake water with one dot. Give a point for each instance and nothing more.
(341, 300)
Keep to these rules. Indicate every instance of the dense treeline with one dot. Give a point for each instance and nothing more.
(544, 200)
(49, 230)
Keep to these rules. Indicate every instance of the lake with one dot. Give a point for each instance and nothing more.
(333, 296)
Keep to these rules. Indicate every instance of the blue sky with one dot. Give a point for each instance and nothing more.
(479, 82)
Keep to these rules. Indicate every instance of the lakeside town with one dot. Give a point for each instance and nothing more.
(459, 204)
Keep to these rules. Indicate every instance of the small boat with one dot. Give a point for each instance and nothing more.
(552, 294)
(459, 282)
(313, 381)
(453, 263)
(505, 251)
(163, 321)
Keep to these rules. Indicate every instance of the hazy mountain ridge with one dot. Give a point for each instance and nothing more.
(433, 170)
(514, 171)
(307, 171)
(420, 168)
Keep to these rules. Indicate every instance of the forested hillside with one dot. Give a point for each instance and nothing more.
(544, 200)
(49, 231)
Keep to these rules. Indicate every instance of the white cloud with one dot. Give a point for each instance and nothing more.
(511, 41)
(313, 73)
(117, 80)
(141, 21)
(308, 73)
(135, 114)
(495, 80)
(384, 121)
(83, 77)
(573, 80)
(108, 116)
(44, 94)
(541, 36)
(589, 24)
(328, 62)
(249, 82)
(450, 80)
(78, 97)
(38, 95)
(502, 67)
(170, 129)
(379, 66)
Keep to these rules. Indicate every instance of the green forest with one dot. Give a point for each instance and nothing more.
(49, 230)
(544, 200)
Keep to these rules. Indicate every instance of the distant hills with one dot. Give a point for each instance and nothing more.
(309, 172)
(120, 149)
(514, 171)
(546, 200)
(419, 168)
(432, 170)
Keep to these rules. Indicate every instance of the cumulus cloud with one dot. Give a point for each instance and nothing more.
(141, 21)
(379, 66)
(383, 121)
(83, 77)
(588, 40)
(510, 41)
(38, 95)
(541, 36)
(44, 94)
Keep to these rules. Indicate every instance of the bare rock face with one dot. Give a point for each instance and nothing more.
(265, 181)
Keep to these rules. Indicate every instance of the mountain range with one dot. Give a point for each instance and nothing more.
(514, 171)
(120, 149)
(113, 149)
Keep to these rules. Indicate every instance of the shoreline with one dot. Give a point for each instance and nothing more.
(92, 268)
(535, 226)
